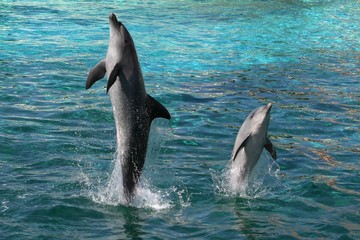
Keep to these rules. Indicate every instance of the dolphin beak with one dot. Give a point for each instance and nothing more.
(268, 107)
(113, 20)
(112, 17)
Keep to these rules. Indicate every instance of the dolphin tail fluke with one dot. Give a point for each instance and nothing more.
(270, 148)
(156, 109)
(96, 73)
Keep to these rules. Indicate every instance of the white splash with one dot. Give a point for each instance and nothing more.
(4, 206)
(111, 192)
(145, 197)
(263, 177)
(236, 183)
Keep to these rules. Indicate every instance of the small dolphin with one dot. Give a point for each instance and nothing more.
(133, 108)
(250, 141)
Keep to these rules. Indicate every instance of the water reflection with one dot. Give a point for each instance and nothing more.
(133, 223)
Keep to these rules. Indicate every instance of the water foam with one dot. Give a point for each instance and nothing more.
(110, 191)
(262, 179)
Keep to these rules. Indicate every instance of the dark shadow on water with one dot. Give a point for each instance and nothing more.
(261, 222)
(127, 222)
(247, 225)
(133, 223)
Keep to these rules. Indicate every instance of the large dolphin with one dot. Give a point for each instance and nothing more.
(250, 141)
(133, 108)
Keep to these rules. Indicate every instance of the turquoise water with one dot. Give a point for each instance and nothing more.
(210, 63)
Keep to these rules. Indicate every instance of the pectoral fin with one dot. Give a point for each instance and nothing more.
(242, 145)
(270, 148)
(117, 71)
(156, 109)
(96, 73)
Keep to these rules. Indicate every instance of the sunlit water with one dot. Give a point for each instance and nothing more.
(210, 63)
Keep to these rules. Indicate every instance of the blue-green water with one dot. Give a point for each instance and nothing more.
(210, 63)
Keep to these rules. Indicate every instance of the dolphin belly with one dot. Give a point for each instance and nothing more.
(132, 131)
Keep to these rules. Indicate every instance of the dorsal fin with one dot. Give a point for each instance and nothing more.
(242, 145)
(96, 73)
(156, 109)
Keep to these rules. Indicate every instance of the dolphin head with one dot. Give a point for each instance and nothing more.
(258, 119)
(120, 39)
(118, 30)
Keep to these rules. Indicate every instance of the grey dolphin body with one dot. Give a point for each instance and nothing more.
(250, 141)
(133, 108)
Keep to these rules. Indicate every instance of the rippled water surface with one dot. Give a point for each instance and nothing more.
(210, 63)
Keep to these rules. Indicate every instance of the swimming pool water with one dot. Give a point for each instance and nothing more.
(210, 63)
